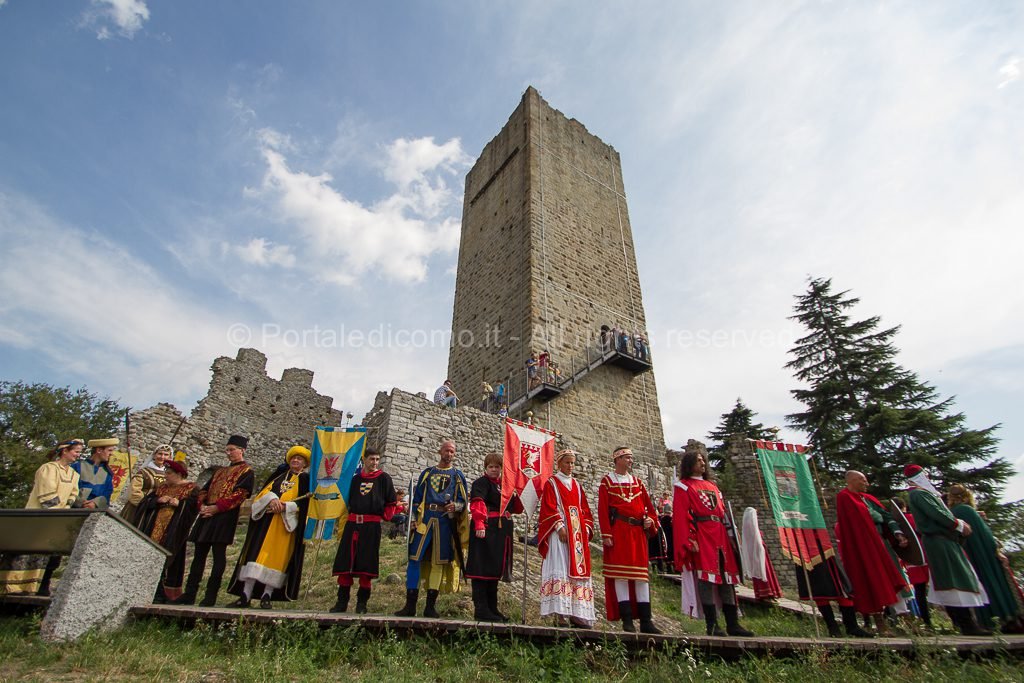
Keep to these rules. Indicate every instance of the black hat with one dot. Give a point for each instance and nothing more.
(240, 441)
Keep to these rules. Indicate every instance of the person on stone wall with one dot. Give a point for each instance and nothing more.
(146, 479)
(445, 395)
(565, 527)
(627, 519)
(54, 487)
(440, 532)
(486, 395)
(873, 569)
(954, 584)
(273, 552)
(490, 543)
(220, 501)
(166, 515)
(371, 501)
(96, 480)
(702, 545)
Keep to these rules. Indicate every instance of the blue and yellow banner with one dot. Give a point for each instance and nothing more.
(337, 452)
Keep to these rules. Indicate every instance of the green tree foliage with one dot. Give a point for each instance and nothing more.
(739, 420)
(33, 419)
(866, 412)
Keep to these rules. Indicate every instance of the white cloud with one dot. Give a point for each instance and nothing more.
(260, 252)
(1010, 72)
(393, 237)
(126, 16)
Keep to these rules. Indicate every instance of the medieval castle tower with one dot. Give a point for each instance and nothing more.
(547, 258)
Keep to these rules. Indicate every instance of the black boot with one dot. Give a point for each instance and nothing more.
(830, 621)
(343, 595)
(626, 615)
(362, 598)
(210, 598)
(241, 602)
(159, 598)
(853, 629)
(492, 600)
(411, 596)
(185, 598)
(481, 608)
(646, 624)
(428, 610)
(732, 622)
(963, 619)
(711, 621)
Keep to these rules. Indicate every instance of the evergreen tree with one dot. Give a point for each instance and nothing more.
(33, 419)
(866, 412)
(739, 420)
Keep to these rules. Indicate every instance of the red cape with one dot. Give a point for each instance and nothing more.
(876, 580)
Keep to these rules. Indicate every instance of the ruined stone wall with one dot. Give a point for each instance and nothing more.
(409, 429)
(243, 399)
(547, 256)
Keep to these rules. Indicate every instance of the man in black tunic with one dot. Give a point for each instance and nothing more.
(220, 503)
(371, 500)
(490, 544)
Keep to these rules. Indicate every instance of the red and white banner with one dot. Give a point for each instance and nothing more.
(529, 461)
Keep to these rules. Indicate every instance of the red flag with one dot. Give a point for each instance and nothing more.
(529, 461)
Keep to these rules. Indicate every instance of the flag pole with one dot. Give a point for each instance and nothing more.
(526, 565)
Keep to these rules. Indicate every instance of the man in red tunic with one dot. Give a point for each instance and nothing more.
(627, 518)
(702, 544)
(876, 579)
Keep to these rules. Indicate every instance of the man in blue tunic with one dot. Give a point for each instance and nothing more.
(96, 482)
(440, 532)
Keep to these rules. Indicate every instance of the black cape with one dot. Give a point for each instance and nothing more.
(359, 548)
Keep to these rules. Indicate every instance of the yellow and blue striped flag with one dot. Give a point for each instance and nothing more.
(337, 452)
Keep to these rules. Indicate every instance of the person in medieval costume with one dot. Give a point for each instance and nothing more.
(988, 562)
(145, 480)
(878, 582)
(371, 501)
(917, 574)
(703, 550)
(220, 502)
(565, 526)
(96, 481)
(166, 515)
(757, 565)
(490, 542)
(441, 530)
(954, 584)
(272, 554)
(627, 519)
(54, 487)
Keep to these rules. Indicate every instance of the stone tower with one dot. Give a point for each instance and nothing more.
(546, 258)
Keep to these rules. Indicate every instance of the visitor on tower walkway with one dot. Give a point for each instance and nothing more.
(917, 574)
(878, 582)
(954, 583)
(220, 502)
(531, 371)
(499, 394)
(606, 338)
(490, 541)
(166, 515)
(54, 487)
(371, 501)
(703, 547)
(565, 527)
(145, 480)
(445, 395)
(627, 519)
(440, 533)
(96, 483)
(989, 563)
(272, 554)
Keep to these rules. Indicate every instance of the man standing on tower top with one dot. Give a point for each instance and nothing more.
(627, 518)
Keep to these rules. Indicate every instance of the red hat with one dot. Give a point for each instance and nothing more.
(912, 471)
(178, 467)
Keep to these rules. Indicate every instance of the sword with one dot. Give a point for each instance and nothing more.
(456, 541)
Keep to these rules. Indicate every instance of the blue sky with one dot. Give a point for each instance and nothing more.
(173, 174)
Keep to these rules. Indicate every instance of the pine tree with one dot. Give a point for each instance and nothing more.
(866, 412)
(739, 420)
